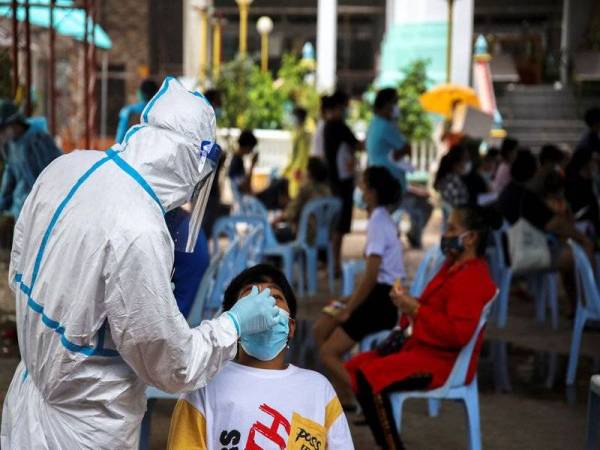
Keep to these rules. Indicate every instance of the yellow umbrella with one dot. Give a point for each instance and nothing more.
(441, 98)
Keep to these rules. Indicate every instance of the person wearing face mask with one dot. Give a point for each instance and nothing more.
(295, 171)
(448, 180)
(437, 325)
(388, 147)
(261, 401)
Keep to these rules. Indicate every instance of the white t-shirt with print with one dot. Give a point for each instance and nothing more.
(248, 408)
(383, 240)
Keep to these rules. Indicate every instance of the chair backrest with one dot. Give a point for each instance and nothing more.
(197, 312)
(233, 226)
(228, 269)
(252, 207)
(458, 375)
(428, 268)
(323, 211)
(587, 287)
(235, 193)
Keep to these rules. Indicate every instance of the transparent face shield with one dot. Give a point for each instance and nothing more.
(185, 226)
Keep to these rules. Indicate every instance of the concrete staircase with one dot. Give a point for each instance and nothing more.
(541, 114)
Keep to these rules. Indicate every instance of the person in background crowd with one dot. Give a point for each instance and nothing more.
(369, 309)
(188, 268)
(475, 182)
(508, 151)
(551, 160)
(519, 201)
(130, 114)
(448, 179)
(387, 147)
(318, 142)
(436, 326)
(26, 150)
(296, 169)
(275, 196)
(260, 391)
(591, 139)
(340, 146)
(581, 191)
(215, 208)
(314, 186)
(489, 166)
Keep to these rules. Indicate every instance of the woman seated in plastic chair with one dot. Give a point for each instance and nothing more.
(436, 326)
(369, 309)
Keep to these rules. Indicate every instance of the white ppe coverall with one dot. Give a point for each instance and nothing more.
(90, 268)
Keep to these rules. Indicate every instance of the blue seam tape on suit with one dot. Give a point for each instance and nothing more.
(151, 103)
(27, 290)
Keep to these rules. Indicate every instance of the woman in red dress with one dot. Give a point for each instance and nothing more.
(441, 323)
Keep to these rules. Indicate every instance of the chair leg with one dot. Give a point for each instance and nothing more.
(301, 274)
(330, 269)
(580, 318)
(471, 402)
(434, 405)
(288, 265)
(499, 352)
(397, 402)
(145, 427)
(553, 299)
(311, 270)
(592, 422)
(539, 286)
(503, 299)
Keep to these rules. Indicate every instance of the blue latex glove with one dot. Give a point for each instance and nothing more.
(255, 313)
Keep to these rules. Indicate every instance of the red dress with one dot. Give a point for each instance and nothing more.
(450, 310)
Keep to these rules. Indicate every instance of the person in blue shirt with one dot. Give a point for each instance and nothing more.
(128, 113)
(386, 146)
(26, 150)
(188, 268)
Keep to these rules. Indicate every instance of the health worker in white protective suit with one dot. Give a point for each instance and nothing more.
(91, 271)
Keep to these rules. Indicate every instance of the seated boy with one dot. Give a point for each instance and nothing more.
(260, 401)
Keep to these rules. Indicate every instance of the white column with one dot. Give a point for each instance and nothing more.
(326, 45)
(191, 41)
(462, 42)
(565, 42)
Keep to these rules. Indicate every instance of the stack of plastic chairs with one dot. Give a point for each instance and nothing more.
(588, 305)
(454, 389)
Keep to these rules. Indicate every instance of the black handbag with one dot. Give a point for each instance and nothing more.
(391, 344)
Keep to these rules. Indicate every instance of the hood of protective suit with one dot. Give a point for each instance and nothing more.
(170, 146)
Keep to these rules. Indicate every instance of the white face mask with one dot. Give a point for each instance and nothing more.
(396, 112)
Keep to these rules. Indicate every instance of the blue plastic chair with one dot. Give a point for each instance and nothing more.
(588, 305)
(429, 267)
(454, 388)
(544, 285)
(234, 226)
(592, 441)
(322, 212)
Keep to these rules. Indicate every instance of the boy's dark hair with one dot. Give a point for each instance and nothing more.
(551, 154)
(509, 145)
(261, 273)
(247, 139)
(386, 186)
(385, 97)
(317, 170)
(300, 114)
(148, 89)
(592, 117)
(524, 167)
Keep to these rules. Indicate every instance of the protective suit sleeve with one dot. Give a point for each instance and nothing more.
(150, 333)
(15, 254)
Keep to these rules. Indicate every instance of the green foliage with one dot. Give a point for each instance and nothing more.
(251, 99)
(414, 120)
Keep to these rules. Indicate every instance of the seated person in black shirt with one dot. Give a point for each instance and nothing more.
(276, 195)
(551, 160)
(479, 180)
(517, 201)
(591, 138)
(581, 192)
